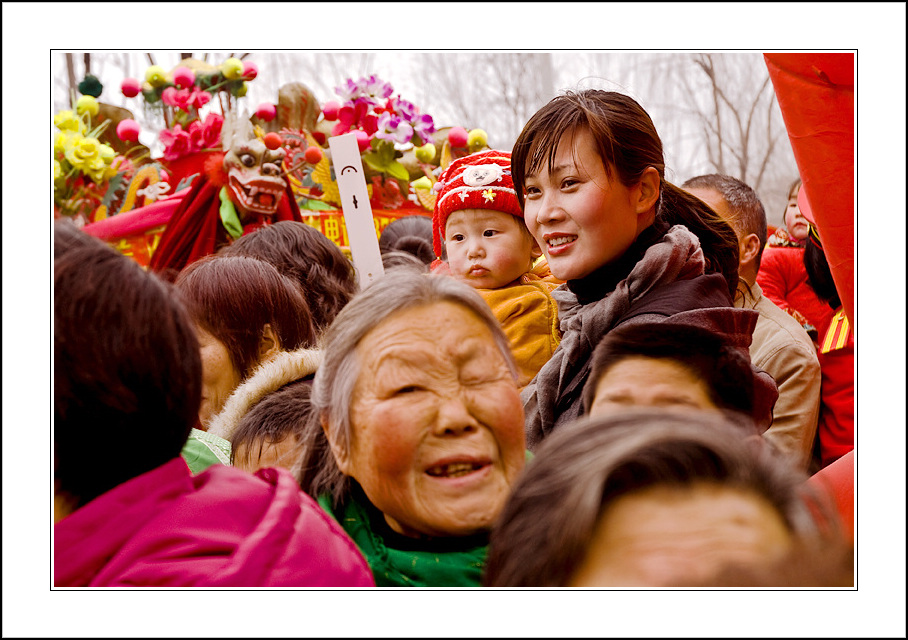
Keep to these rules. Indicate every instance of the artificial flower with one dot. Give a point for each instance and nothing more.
(80, 152)
(63, 138)
(393, 129)
(424, 126)
(176, 142)
(199, 99)
(207, 134)
(68, 121)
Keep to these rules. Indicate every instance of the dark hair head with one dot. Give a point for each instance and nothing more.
(725, 368)
(547, 525)
(411, 234)
(234, 297)
(747, 212)
(303, 254)
(127, 370)
(628, 144)
(278, 415)
(68, 236)
(819, 275)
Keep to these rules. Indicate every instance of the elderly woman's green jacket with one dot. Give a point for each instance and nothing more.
(399, 561)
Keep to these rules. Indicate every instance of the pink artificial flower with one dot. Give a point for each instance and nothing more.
(199, 99)
(211, 130)
(168, 96)
(176, 142)
(181, 99)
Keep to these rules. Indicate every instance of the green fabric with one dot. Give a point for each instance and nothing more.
(406, 568)
(228, 215)
(203, 450)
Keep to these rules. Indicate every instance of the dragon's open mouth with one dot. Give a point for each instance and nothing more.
(258, 195)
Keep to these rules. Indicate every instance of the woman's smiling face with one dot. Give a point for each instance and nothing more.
(437, 434)
(581, 217)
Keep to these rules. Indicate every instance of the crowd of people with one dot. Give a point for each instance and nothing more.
(575, 374)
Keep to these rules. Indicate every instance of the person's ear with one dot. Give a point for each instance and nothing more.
(269, 343)
(748, 248)
(341, 454)
(536, 251)
(649, 187)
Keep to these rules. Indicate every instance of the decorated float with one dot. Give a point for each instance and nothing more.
(225, 172)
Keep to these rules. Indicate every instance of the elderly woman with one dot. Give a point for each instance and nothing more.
(416, 435)
(127, 513)
(246, 314)
(656, 498)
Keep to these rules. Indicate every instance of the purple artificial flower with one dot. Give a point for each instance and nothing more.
(406, 110)
(424, 126)
(393, 128)
(376, 87)
(348, 90)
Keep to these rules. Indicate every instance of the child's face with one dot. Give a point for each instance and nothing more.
(488, 249)
(795, 222)
(273, 454)
(581, 218)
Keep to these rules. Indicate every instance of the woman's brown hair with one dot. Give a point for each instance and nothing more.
(234, 297)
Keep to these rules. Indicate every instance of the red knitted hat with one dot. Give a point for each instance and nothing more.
(478, 181)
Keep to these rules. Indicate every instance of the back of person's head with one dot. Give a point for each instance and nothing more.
(409, 234)
(819, 275)
(628, 144)
(234, 297)
(127, 371)
(747, 212)
(68, 236)
(549, 523)
(307, 256)
(725, 368)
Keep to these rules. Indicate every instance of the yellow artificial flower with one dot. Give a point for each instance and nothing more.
(68, 121)
(102, 174)
(82, 152)
(64, 138)
(58, 170)
(107, 153)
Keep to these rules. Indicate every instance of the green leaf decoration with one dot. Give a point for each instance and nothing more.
(397, 170)
(114, 185)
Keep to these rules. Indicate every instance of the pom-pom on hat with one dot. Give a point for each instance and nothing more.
(478, 181)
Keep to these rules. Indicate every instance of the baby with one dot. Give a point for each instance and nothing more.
(478, 226)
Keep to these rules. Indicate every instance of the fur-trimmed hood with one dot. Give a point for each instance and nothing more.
(283, 368)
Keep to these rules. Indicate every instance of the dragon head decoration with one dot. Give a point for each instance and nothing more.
(254, 175)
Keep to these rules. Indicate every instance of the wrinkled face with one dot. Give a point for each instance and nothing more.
(437, 424)
(639, 381)
(680, 536)
(219, 376)
(795, 222)
(580, 217)
(488, 249)
(254, 178)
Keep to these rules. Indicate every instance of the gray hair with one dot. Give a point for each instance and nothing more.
(748, 213)
(548, 523)
(401, 288)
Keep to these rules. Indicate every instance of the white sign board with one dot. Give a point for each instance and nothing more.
(351, 182)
